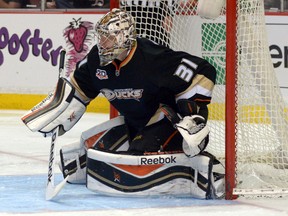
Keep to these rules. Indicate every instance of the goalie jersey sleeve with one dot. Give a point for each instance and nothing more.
(150, 75)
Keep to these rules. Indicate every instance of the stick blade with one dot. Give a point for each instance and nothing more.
(53, 191)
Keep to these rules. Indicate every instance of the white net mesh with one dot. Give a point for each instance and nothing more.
(261, 130)
(262, 138)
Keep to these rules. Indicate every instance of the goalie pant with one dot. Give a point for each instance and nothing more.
(172, 174)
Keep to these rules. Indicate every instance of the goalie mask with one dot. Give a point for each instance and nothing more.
(115, 33)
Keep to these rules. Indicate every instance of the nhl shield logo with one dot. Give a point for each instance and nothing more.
(101, 74)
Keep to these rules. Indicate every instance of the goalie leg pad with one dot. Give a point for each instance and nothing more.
(157, 174)
(110, 135)
(61, 108)
(212, 169)
(73, 163)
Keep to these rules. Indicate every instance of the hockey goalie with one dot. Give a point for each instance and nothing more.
(157, 143)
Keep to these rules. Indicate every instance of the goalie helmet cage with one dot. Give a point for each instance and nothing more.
(247, 115)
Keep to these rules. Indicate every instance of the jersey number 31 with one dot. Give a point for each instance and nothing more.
(185, 72)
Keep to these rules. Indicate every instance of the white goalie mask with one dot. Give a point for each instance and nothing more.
(115, 33)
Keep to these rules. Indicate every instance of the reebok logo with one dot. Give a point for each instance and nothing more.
(159, 160)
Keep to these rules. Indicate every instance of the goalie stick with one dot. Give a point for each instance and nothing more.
(51, 189)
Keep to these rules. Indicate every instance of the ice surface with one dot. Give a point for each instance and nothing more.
(23, 174)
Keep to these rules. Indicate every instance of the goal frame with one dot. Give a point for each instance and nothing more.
(230, 109)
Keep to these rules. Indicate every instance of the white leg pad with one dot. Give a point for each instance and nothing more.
(148, 175)
(73, 162)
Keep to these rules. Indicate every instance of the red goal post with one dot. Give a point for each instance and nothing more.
(248, 117)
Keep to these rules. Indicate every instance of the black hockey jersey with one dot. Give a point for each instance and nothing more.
(150, 75)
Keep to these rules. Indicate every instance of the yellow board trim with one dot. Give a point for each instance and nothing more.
(27, 101)
(248, 114)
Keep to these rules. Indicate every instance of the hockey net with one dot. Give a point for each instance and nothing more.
(247, 119)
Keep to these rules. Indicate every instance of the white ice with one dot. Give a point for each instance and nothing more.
(23, 173)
